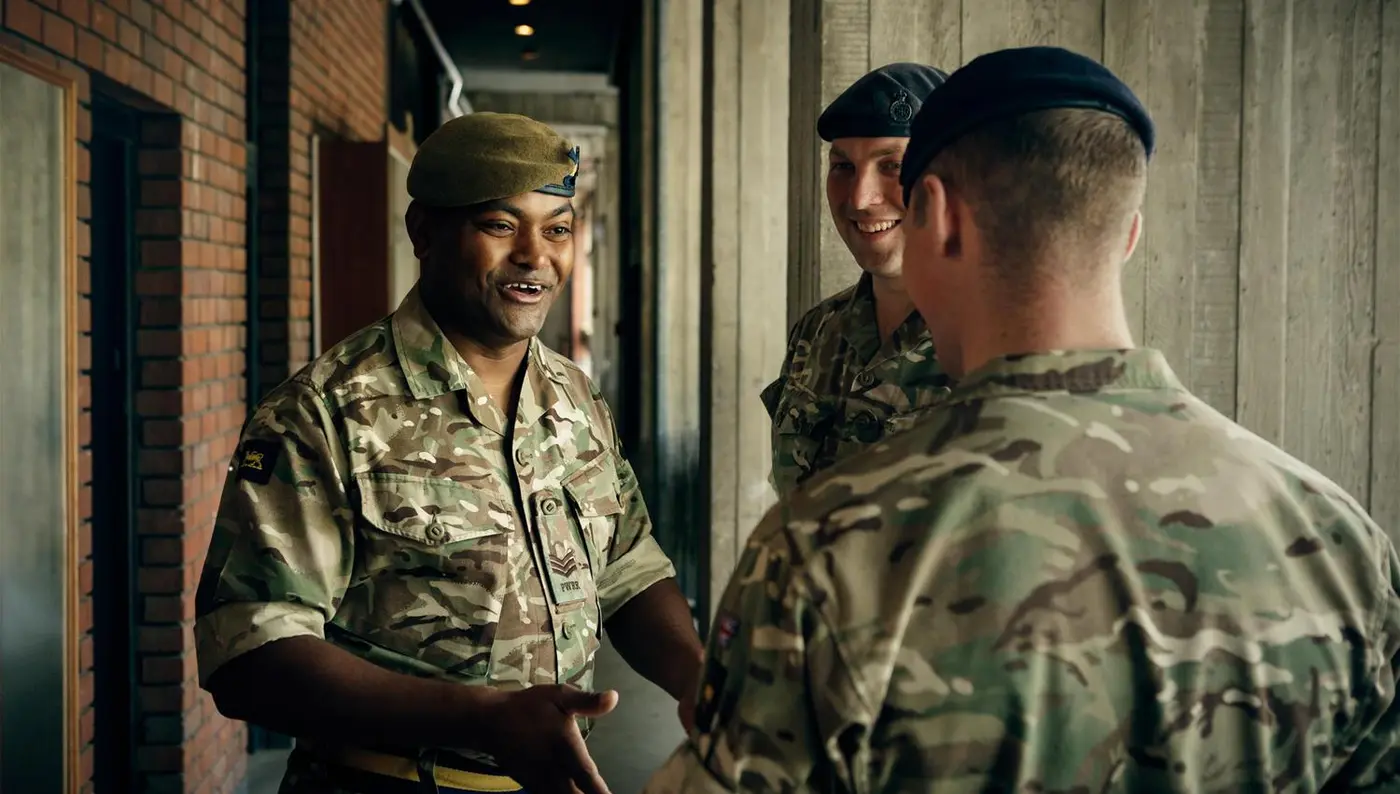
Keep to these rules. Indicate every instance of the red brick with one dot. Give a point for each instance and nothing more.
(188, 56)
(90, 50)
(59, 34)
(77, 10)
(160, 580)
(25, 17)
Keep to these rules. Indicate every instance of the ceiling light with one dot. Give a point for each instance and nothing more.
(519, 2)
(524, 30)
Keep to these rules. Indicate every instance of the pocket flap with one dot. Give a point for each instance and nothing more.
(593, 489)
(430, 510)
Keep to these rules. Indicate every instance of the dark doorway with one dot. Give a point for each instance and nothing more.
(115, 195)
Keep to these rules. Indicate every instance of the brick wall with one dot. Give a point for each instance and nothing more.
(337, 67)
(183, 62)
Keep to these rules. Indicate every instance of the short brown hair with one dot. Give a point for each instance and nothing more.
(1047, 180)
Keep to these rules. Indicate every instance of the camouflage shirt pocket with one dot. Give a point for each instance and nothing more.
(438, 552)
(593, 495)
(429, 523)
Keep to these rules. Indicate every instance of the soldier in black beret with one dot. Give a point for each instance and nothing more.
(1031, 163)
(1072, 575)
(426, 530)
(859, 364)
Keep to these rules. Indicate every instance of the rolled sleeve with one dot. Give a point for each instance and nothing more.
(282, 547)
(635, 561)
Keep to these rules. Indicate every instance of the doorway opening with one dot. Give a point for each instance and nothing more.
(115, 186)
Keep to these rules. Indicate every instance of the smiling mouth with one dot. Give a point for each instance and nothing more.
(524, 291)
(874, 227)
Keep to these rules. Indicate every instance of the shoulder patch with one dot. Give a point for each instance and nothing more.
(725, 629)
(256, 458)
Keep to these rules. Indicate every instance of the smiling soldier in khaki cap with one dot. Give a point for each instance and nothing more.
(424, 531)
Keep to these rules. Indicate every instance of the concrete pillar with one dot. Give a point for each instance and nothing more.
(746, 222)
(677, 490)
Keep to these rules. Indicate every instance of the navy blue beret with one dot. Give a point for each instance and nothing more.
(1009, 83)
(882, 104)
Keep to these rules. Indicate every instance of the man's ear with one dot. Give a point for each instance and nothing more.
(1134, 235)
(940, 203)
(415, 222)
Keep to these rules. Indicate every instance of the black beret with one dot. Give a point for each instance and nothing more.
(881, 104)
(1009, 83)
(487, 156)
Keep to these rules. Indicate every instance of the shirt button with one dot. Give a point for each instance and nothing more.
(549, 506)
(436, 533)
(522, 458)
(568, 630)
(864, 380)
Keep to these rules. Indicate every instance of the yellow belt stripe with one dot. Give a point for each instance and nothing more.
(407, 769)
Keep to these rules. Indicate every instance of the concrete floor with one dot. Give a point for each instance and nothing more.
(628, 745)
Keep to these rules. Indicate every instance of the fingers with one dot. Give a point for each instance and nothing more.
(586, 778)
(586, 704)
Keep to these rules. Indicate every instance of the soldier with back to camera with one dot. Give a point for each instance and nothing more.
(1073, 575)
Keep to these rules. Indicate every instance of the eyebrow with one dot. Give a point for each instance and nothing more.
(885, 152)
(511, 209)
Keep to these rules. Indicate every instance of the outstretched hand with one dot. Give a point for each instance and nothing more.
(537, 741)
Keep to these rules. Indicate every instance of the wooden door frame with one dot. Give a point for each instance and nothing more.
(71, 518)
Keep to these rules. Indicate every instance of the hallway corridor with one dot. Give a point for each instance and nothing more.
(628, 745)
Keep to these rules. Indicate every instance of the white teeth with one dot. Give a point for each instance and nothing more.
(879, 226)
(523, 287)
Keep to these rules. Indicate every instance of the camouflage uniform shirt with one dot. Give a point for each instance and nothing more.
(378, 500)
(842, 388)
(1074, 576)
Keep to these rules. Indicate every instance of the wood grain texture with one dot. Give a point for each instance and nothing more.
(1266, 147)
(1169, 237)
(928, 32)
(1354, 186)
(1385, 387)
(806, 193)
(1127, 52)
(1217, 202)
(1331, 280)
(846, 48)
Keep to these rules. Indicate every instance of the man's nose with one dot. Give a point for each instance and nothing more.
(868, 190)
(530, 252)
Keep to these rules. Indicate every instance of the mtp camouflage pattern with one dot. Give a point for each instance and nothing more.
(842, 388)
(1072, 576)
(379, 500)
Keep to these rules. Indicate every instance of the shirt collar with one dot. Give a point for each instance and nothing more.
(1070, 370)
(862, 330)
(431, 364)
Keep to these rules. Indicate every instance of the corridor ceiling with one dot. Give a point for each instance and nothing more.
(570, 35)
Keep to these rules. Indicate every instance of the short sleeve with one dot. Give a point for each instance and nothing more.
(635, 561)
(1374, 766)
(776, 697)
(785, 471)
(280, 556)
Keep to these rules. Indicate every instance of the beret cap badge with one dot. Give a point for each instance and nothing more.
(900, 109)
(567, 186)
